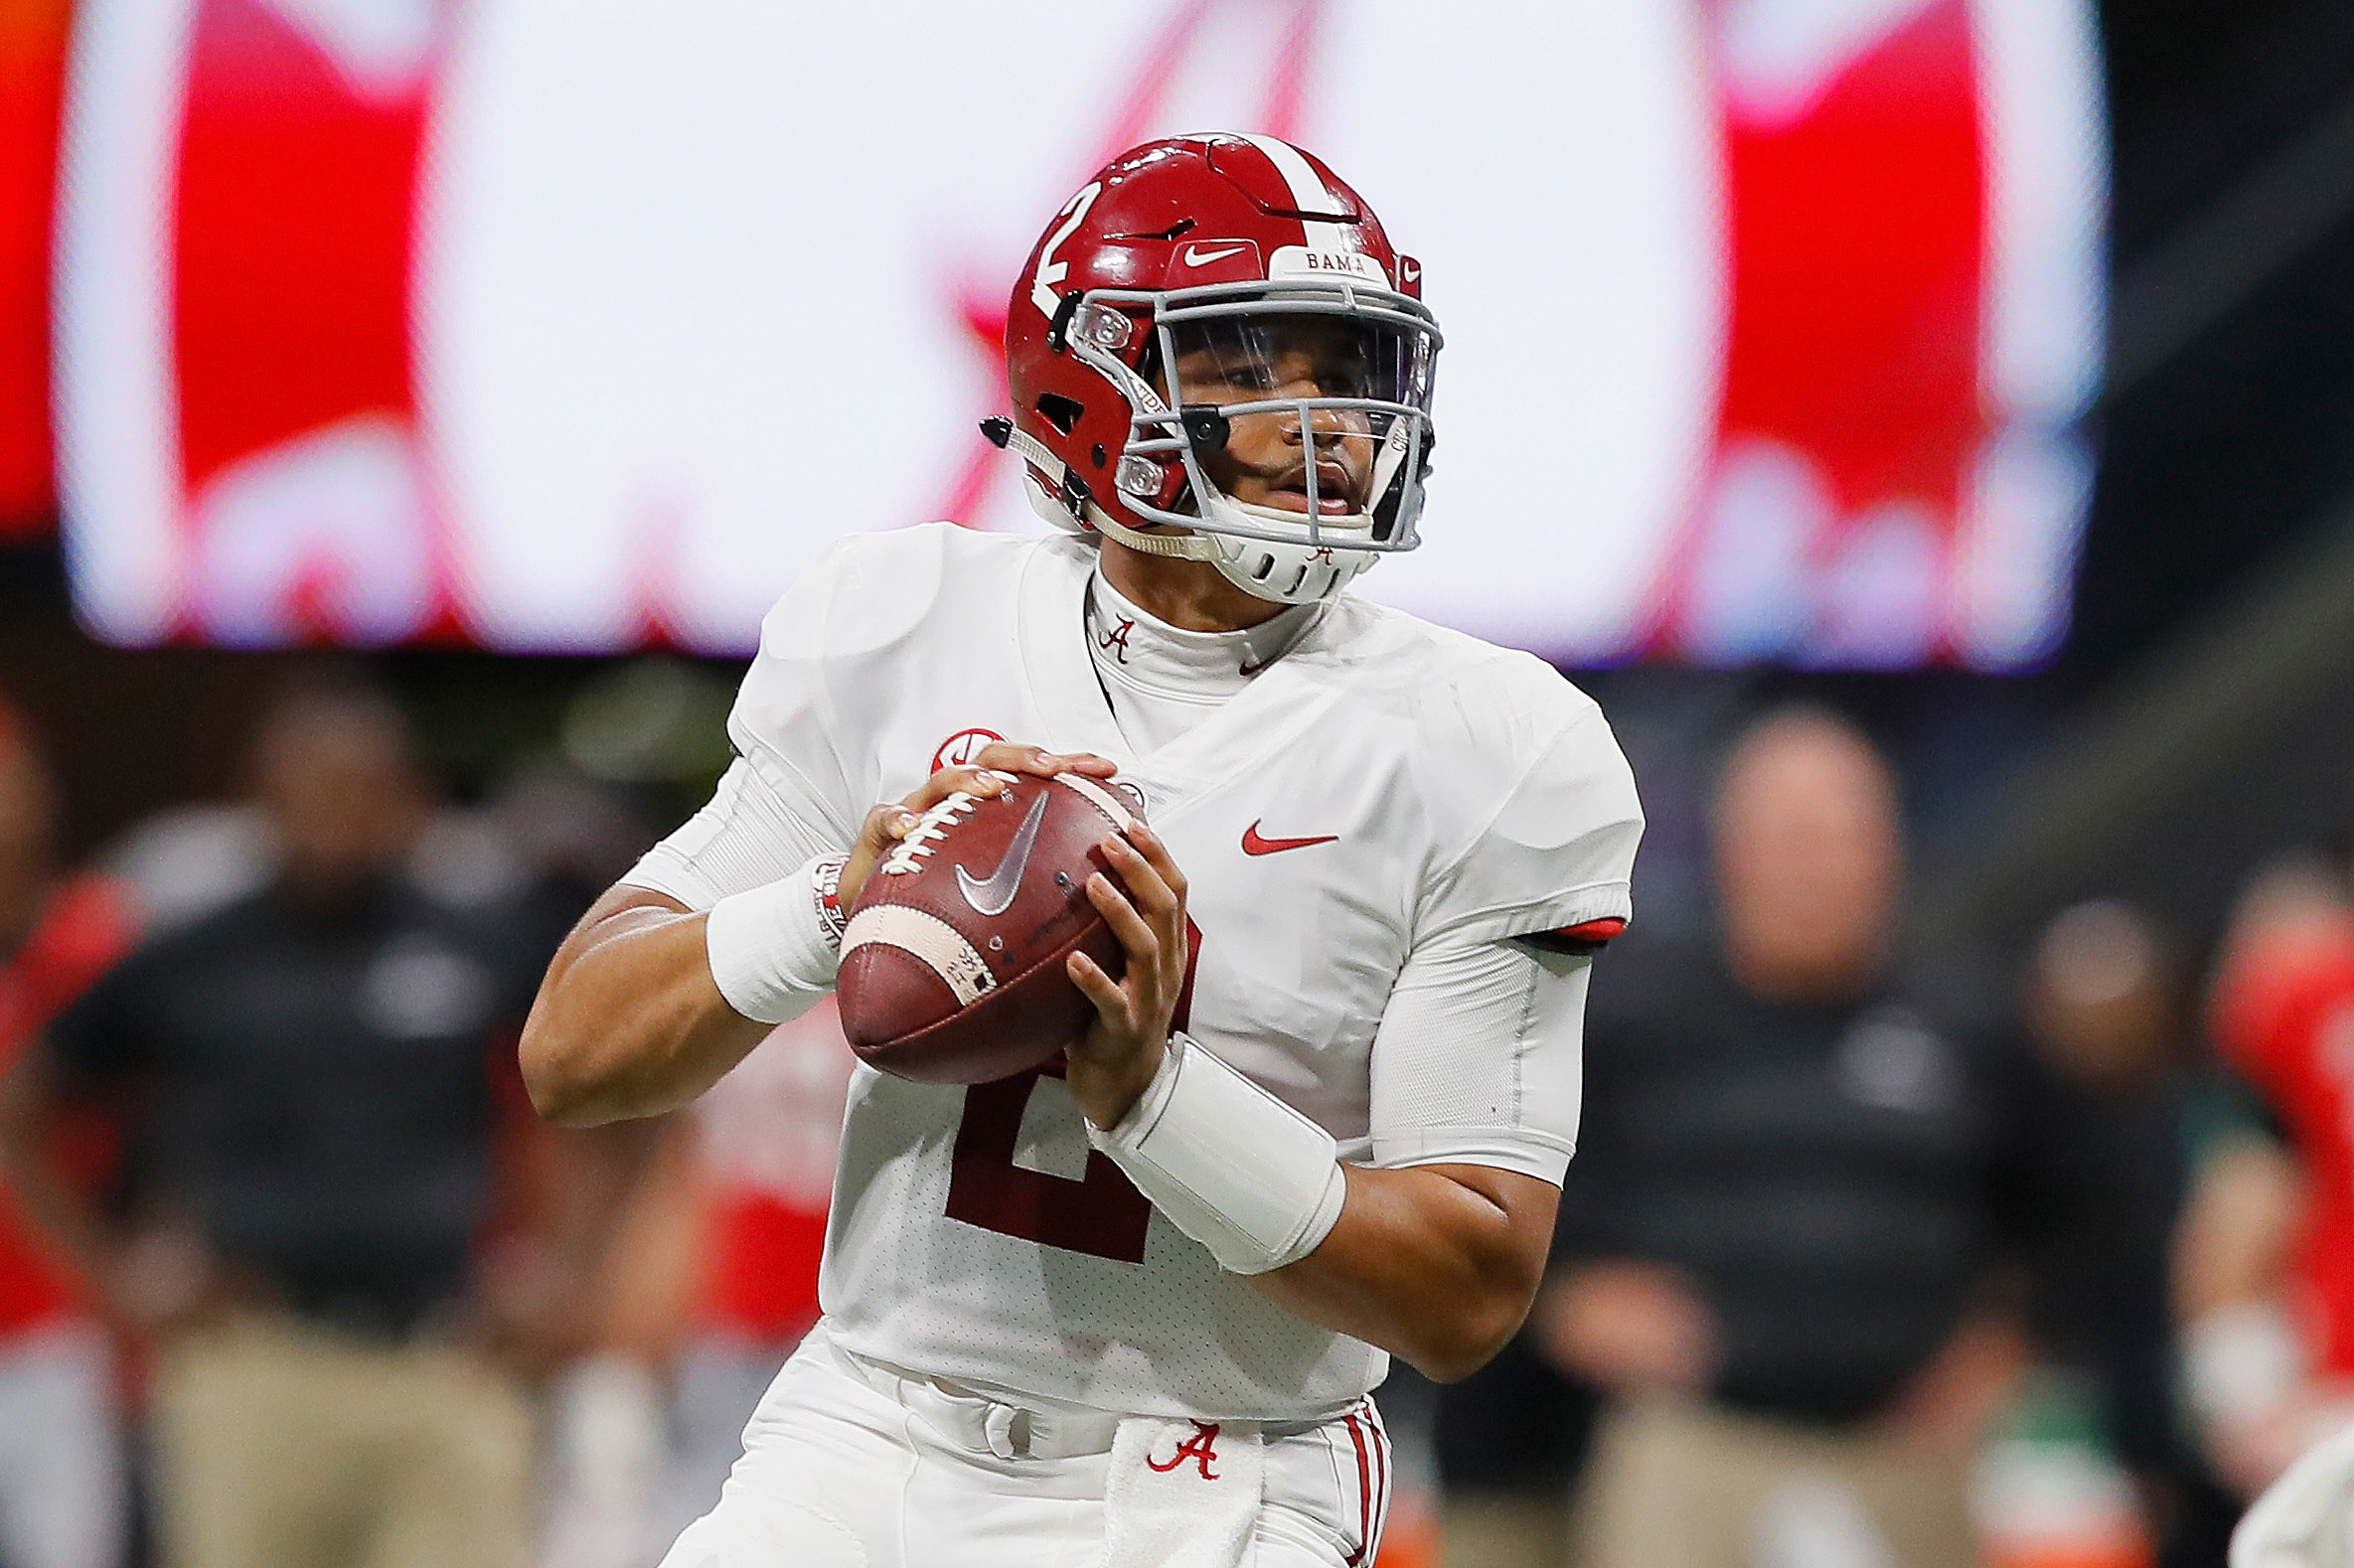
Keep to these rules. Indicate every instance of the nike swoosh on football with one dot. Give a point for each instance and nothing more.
(1200, 257)
(1252, 844)
(996, 895)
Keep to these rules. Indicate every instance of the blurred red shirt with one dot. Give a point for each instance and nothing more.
(85, 928)
(2284, 1014)
(769, 1133)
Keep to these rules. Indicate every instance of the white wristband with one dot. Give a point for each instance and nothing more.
(771, 952)
(1229, 1164)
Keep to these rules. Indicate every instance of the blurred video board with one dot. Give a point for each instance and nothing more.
(585, 325)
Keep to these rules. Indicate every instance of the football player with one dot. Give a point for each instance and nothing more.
(1130, 1308)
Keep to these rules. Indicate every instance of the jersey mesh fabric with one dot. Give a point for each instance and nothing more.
(745, 837)
(1004, 1315)
(1478, 1060)
(1356, 793)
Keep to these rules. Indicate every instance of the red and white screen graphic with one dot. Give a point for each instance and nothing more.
(1769, 322)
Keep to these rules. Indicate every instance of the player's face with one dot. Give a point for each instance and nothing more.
(1267, 456)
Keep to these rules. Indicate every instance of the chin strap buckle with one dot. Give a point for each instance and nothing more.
(1206, 428)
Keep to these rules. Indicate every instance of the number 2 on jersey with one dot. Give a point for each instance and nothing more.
(1102, 1215)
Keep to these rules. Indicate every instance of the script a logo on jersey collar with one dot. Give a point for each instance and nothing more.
(1253, 844)
(996, 895)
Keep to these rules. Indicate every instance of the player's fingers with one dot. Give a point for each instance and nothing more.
(1176, 953)
(1135, 932)
(1155, 850)
(972, 780)
(1010, 758)
(883, 827)
(1142, 866)
(1143, 880)
(1111, 1002)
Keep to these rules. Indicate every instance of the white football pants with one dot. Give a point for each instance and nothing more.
(846, 1466)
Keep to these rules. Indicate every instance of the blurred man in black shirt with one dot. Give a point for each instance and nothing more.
(1792, 1177)
(308, 1077)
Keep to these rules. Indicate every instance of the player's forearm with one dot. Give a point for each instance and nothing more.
(629, 1022)
(1437, 1265)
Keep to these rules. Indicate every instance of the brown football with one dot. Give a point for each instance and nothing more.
(952, 963)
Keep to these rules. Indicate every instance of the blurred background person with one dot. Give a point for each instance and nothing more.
(2265, 1267)
(2090, 1467)
(1511, 1444)
(710, 1284)
(1794, 1176)
(766, 1140)
(62, 1499)
(310, 1080)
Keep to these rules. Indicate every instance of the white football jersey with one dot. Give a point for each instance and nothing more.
(1384, 785)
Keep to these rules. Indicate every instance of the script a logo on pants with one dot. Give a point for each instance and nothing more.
(1201, 1448)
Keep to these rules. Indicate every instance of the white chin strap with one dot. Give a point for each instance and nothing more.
(1280, 572)
(1285, 572)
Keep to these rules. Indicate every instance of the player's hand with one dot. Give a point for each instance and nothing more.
(887, 824)
(1108, 1068)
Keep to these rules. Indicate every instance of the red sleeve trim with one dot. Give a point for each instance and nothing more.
(1587, 936)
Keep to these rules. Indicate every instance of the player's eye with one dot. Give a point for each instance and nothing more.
(1345, 375)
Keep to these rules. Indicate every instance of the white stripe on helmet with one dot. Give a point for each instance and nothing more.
(1309, 193)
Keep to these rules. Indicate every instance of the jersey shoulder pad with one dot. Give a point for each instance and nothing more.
(1533, 805)
(1494, 701)
(870, 591)
(848, 628)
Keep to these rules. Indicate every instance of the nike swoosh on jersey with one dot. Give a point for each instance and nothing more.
(1195, 257)
(1253, 844)
(996, 895)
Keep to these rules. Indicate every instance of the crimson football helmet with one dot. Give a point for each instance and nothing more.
(1248, 263)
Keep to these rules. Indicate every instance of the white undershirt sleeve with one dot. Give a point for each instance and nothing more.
(745, 838)
(1480, 1060)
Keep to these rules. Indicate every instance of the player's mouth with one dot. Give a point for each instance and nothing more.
(1335, 490)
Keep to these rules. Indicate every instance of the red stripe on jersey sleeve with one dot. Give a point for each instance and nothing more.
(1587, 936)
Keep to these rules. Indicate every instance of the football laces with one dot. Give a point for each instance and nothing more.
(930, 828)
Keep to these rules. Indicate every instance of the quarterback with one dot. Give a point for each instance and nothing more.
(1128, 1309)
